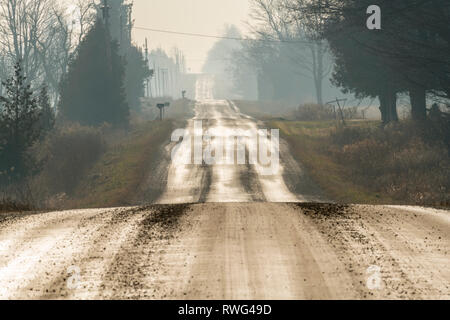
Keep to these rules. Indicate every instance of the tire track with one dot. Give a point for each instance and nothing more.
(135, 271)
(34, 247)
(361, 242)
(95, 253)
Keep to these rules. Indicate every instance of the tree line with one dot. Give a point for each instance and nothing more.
(61, 66)
(408, 56)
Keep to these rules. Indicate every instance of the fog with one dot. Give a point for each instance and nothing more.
(191, 16)
(224, 149)
(88, 70)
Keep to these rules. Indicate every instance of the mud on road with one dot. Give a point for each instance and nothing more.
(247, 237)
(227, 251)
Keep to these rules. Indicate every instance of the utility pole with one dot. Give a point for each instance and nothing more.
(163, 72)
(105, 12)
(165, 80)
(130, 21)
(148, 84)
(121, 31)
(160, 91)
(157, 87)
(172, 83)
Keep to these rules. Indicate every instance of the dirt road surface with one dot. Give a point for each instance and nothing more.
(191, 183)
(228, 232)
(227, 251)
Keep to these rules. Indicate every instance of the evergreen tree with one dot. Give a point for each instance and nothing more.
(359, 68)
(409, 54)
(136, 72)
(93, 90)
(365, 74)
(19, 127)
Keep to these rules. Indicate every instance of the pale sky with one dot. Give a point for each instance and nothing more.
(190, 16)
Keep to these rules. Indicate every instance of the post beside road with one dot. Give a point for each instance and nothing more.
(161, 107)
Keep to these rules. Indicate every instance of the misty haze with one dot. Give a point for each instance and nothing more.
(224, 150)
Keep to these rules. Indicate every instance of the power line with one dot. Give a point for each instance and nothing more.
(219, 37)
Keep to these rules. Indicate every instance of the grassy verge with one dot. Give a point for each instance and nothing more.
(308, 143)
(266, 110)
(9, 205)
(366, 164)
(178, 109)
(117, 175)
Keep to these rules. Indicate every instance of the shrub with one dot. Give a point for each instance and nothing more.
(16, 197)
(66, 154)
(409, 161)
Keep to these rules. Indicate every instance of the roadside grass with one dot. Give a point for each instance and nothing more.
(81, 166)
(266, 110)
(308, 143)
(363, 163)
(180, 109)
(10, 205)
(116, 177)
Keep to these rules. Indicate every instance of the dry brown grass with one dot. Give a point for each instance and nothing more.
(116, 177)
(11, 205)
(66, 154)
(315, 112)
(407, 163)
(266, 109)
(96, 167)
(180, 109)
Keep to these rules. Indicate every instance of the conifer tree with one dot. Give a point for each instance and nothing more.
(136, 72)
(19, 127)
(93, 90)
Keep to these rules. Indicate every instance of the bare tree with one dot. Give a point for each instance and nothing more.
(20, 25)
(42, 35)
(85, 14)
(416, 40)
(275, 20)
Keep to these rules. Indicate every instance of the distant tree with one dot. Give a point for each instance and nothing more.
(19, 127)
(43, 34)
(307, 54)
(277, 79)
(93, 90)
(136, 72)
(410, 51)
(217, 62)
(358, 69)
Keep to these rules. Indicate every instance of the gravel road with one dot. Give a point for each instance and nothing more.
(228, 232)
(227, 251)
